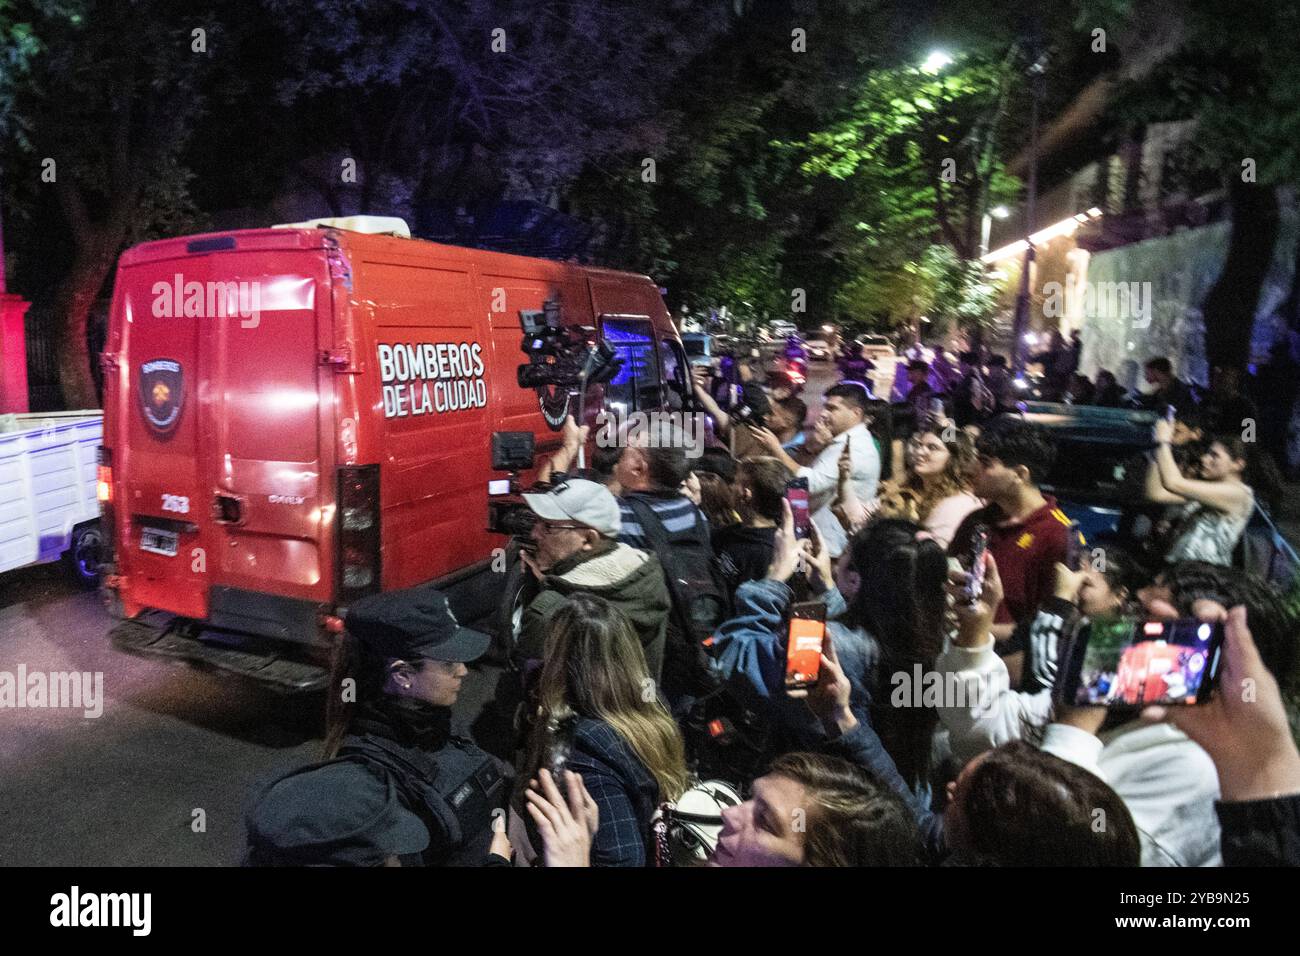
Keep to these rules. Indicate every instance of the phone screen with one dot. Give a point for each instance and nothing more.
(979, 548)
(796, 492)
(803, 649)
(1128, 663)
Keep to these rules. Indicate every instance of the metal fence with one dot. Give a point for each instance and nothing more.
(44, 393)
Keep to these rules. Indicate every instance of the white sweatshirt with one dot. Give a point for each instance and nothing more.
(1166, 780)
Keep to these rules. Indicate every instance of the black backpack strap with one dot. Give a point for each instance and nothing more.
(657, 537)
(422, 798)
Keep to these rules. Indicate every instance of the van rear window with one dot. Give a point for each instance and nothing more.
(637, 384)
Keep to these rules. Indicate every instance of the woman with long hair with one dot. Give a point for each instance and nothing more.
(599, 716)
(934, 490)
(1217, 506)
(897, 611)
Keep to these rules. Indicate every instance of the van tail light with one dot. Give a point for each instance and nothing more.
(358, 524)
(104, 492)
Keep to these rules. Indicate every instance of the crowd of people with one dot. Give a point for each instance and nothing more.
(656, 725)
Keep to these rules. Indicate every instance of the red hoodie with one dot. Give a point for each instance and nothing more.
(1026, 553)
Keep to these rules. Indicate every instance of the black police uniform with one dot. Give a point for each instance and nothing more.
(405, 751)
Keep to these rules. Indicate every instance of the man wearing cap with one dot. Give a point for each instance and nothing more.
(576, 535)
(391, 756)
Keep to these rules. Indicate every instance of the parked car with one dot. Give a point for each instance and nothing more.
(48, 508)
(819, 350)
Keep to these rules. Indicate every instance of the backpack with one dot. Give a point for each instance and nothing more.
(700, 598)
(686, 831)
(455, 790)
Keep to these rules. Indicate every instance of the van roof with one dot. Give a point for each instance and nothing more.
(291, 238)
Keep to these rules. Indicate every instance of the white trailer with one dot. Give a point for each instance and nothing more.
(48, 504)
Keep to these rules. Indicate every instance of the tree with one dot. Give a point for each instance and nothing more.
(105, 115)
(1232, 75)
(918, 151)
(478, 99)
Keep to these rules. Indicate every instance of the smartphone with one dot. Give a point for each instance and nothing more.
(978, 548)
(796, 492)
(1127, 663)
(803, 646)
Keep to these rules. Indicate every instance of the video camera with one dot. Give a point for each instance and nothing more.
(560, 356)
(562, 361)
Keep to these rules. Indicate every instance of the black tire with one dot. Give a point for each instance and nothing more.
(83, 555)
(519, 589)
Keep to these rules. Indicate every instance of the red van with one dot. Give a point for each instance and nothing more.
(297, 417)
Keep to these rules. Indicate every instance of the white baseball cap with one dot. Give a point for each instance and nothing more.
(581, 501)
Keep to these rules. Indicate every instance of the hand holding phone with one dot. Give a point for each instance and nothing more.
(1126, 663)
(796, 493)
(974, 620)
(803, 647)
(976, 566)
(1073, 546)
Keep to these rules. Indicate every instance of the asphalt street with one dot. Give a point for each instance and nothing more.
(173, 746)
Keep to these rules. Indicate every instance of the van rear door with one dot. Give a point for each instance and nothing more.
(225, 485)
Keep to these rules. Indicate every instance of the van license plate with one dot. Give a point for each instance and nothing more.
(157, 541)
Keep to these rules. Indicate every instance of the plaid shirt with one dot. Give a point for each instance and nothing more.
(623, 789)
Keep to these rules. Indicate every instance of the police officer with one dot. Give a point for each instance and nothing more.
(398, 670)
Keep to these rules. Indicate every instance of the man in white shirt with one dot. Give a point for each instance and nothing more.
(842, 419)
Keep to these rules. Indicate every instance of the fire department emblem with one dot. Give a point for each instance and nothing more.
(162, 394)
(554, 403)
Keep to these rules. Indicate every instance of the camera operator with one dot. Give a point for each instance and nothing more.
(578, 551)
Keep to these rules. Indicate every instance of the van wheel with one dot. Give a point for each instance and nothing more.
(83, 554)
(520, 588)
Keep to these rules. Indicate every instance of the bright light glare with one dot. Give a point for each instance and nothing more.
(936, 61)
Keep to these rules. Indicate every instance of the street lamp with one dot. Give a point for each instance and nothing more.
(986, 225)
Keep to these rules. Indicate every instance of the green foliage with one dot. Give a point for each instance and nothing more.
(1228, 71)
(953, 293)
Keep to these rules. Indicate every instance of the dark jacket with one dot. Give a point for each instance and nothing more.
(1261, 832)
(624, 790)
(447, 782)
(744, 553)
(412, 742)
(631, 580)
